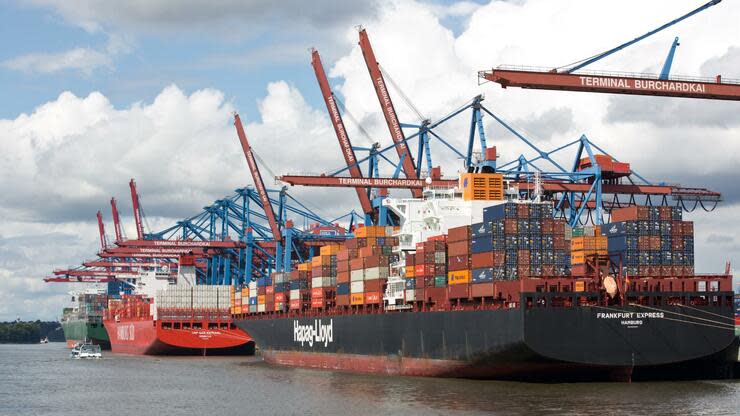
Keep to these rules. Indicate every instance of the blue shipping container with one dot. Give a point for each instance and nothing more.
(481, 245)
(483, 275)
(411, 283)
(343, 289)
(480, 229)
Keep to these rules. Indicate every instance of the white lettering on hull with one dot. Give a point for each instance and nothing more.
(318, 333)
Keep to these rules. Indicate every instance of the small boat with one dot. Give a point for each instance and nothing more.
(44, 340)
(86, 350)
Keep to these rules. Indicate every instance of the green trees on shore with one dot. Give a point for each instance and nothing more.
(29, 332)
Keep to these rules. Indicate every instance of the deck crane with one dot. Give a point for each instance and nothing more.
(565, 78)
(391, 118)
(116, 220)
(341, 131)
(101, 230)
(137, 210)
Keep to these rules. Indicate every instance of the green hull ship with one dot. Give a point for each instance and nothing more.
(84, 320)
(78, 330)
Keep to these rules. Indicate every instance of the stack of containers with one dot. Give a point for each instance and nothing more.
(299, 295)
(281, 290)
(252, 286)
(343, 272)
(525, 241)
(459, 258)
(324, 277)
(232, 296)
(431, 267)
(265, 299)
(410, 272)
(586, 241)
(651, 241)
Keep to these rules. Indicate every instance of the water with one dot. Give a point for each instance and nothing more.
(42, 380)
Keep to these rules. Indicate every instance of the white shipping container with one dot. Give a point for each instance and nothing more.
(295, 293)
(252, 308)
(261, 307)
(357, 287)
(376, 273)
(322, 281)
(410, 295)
(357, 275)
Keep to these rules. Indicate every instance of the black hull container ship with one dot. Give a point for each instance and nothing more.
(501, 290)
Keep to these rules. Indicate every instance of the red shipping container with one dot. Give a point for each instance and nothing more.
(688, 228)
(376, 261)
(480, 290)
(677, 244)
(548, 270)
(375, 285)
(343, 277)
(343, 266)
(523, 257)
(458, 263)
(294, 275)
(547, 226)
(419, 270)
(664, 213)
(460, 248)
(295, 304)
(511, 226)
(578, 270)
(523, 270)
(351, 243)
(372, 298)
(280, 297)
(419, 257)
(632, 213)
(356, 264)
(410, 260)
(459, 291)
(676, 228)
(317, 302)
(558, 242)
(436, 294)
(419, 246)
(499, 258)
(368, 251)
(270, 306)
(481, 260)
(434, 269)
(343, 300)
(269, 290)
(261, 290)
(654, 242)
(420, 282)
(458, 234)
(419, 294)
(558, 226)
(434, 245)
(317, 292)
(522, 211)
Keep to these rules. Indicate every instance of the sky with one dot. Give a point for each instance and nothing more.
(96, 93)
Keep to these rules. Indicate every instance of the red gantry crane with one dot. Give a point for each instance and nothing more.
(137, 211)
(391, 118)
(566, 79)
(257, 179)
(340, 130)
(116, 220)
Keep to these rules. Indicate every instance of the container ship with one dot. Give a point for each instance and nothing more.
(165, 316)
(84, 320)
(496, 287)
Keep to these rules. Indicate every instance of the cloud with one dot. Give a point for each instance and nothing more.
(85, 60)
(187, 15)
(720, 239)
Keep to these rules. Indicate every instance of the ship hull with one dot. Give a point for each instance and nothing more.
(79, 330)
(149, 337)
(531, 344)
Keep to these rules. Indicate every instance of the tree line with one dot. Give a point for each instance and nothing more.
(30, 332)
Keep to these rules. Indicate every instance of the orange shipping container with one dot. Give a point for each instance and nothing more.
(357, 299)
(578, 257)
(330, 249)
(261, 299)
(458, 277)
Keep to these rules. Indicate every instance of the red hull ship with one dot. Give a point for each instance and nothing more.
(137, 324)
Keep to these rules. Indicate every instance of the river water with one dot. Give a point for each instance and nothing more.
(42, 380)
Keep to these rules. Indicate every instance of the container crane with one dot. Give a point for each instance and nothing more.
(101, 230)
(116, 220)
(137, 210)
(391, 118)
(566, 79)
(257, 179)
(341, 131)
